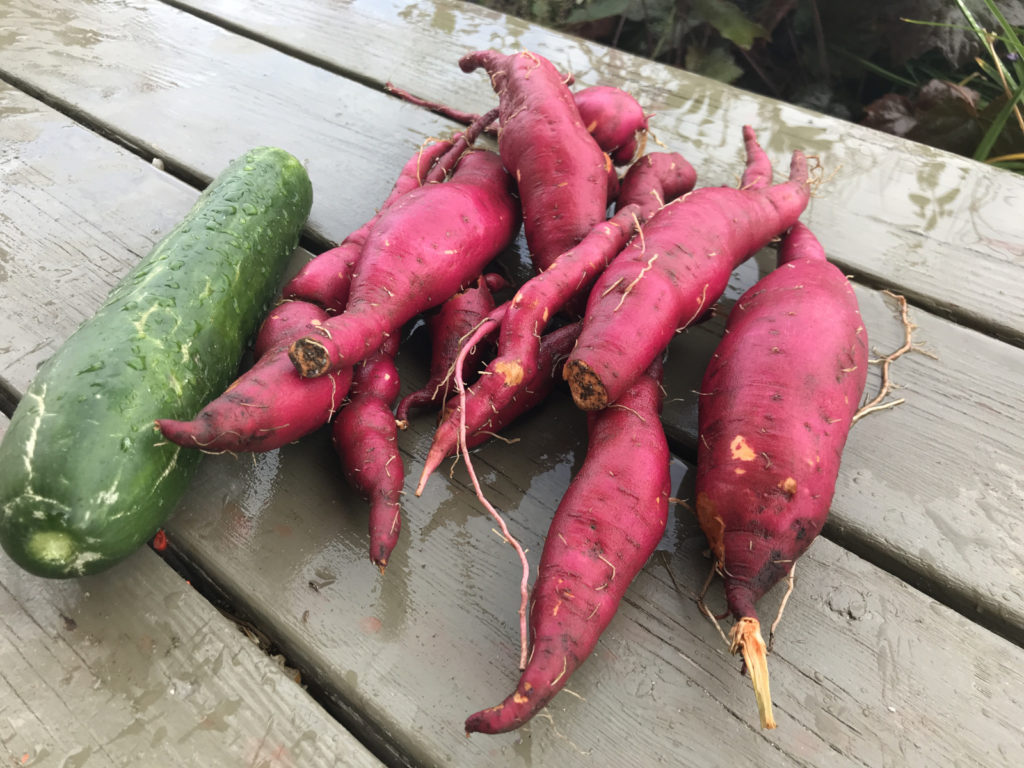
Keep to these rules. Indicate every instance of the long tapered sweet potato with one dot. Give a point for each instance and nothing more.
(326, 278)
(454, 320)
(776, 404)
(561, 173)
(606, 527)
(665, 280)
(269, 405)
(365, 438)
(422, 250)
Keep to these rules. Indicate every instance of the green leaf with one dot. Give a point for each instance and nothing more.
(994, 131)
(598, 9)
(1010, 37)
(729, 21)
(716, 63)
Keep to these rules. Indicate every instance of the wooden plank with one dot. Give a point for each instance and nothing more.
(937, 227)
(133, 667)
(187, 92)
(53, 278)
(252, 525)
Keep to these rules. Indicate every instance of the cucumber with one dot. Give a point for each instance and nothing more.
(85, 477)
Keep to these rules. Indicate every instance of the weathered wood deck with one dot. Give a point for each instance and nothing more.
(902, 642)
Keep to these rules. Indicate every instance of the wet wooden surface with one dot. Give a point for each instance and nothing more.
(868, 669)
(133, 667)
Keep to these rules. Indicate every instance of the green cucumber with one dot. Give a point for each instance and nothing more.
(85, 477)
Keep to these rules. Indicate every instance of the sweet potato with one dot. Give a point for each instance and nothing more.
(776, 403)
(663, 281)
(269, 405)
(615, 120)
(422, 250)
(612, 116)
(365, 438)
(454, 320)
(561, 173)
(606, 527)
(326, 278)
(654, 180)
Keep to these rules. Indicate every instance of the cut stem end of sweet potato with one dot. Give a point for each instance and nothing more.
(588, 391)
(309, 357)
(746, 639)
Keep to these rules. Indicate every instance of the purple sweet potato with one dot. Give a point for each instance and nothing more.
(561, 173)
(365, 438)
(326, 278)
(606, 527)
(615, 119)
(425, 247)
(777, 402)
(668, 278)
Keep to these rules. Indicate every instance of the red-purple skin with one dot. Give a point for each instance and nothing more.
(606, 527)
(561, 173)
(776, 405)
(327, 278)
(365, 438)
(667, 279)
(614, 118)
(423, 249)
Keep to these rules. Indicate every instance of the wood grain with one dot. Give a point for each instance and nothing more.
(901, 511)
(177, 88)
(864, 665)
(409, 654)
(133, 667)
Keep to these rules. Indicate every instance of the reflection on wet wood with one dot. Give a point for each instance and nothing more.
(133, 667)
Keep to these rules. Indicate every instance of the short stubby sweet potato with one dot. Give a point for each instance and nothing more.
(615, 119)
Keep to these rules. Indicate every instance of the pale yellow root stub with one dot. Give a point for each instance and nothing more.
(746, 639)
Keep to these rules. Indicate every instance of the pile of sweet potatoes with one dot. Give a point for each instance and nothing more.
(622, 264)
